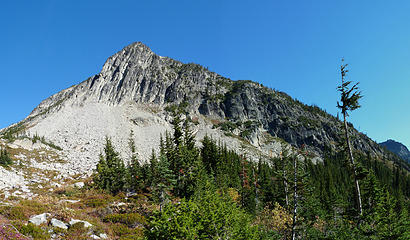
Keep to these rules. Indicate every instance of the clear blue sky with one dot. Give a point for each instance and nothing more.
(292, 46)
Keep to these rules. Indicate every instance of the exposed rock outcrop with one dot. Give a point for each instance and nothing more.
(398, 148)
(136, 89)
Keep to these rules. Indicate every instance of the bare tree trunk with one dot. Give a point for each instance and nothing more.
(295, 197)
(359, 197)
(285, 183)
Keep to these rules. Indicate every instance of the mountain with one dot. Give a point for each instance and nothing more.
(398, 148)
(137, 91)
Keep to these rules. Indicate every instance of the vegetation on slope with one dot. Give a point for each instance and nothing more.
(212, 192)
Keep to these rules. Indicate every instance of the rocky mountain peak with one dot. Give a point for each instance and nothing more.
(137, 89)
(398, 148)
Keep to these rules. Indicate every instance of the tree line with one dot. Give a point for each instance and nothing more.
(214, 192)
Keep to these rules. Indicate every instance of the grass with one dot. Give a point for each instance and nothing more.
(129, 219)
(95, 206)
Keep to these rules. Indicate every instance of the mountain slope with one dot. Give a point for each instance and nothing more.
(398, 148)
(137, 90)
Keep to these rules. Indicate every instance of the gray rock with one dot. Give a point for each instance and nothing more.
(39, 219)
(57, 223)
(57, 185)
(103, 236)
(70, 201)
(79, 184)
(136, 75)
(86, 224)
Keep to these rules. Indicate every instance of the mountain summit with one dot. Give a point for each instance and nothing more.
(137, 91)
(398, 148)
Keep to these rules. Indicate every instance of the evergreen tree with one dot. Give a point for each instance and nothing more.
(349, 101)
(183, 157)
(153, 173)
(4, 157)
(135, 180)
(385, 218)
(165, 181)
(209, 154)
(110, 172)
(176, 124)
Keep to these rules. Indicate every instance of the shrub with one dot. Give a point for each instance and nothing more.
(97, 202)
(4, 157)
(276, 219)
(33, 231)
(124, 232)
(129, 219)
(9, 232)
(207, 216)
(15, 213)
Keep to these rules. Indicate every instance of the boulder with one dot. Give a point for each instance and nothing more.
(74, 221)
(57, 223)
(78, 184)
(39, 219)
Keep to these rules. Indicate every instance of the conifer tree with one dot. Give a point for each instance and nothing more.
(176, 124)
(110, 170)
(135, 180)
(164, 183)
(349, 101)
(209, 152)
(4, 157)
(153, 174)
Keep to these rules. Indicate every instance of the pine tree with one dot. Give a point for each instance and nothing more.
(4, 157)
(176, 124)
(209, 154)
(110, 172)
(135, 180)
(152, 173)
(349, 101)
(165, 181)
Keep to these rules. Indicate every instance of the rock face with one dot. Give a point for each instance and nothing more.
(137, 89)
(398, 148)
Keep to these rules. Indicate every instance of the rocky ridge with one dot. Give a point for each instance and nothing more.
(398, 148)
(137, 90)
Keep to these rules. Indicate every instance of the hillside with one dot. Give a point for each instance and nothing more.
(137, 90)
(152, 148)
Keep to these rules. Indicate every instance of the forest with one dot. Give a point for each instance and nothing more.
(207, 191)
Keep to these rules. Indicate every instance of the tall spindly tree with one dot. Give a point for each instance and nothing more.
(349, 101)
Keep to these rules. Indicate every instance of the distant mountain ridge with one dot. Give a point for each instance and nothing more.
(398, 148)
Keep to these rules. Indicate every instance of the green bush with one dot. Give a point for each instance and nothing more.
(15, 213)
(207, 216)
(97, 202)
(129, 219)
(33, 231)
(4, 157)
(123, 232)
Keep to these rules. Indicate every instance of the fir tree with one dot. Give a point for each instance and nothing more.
(164, 183)
(111, 171)
(135, 180)
(349, 101)
(4, 157)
